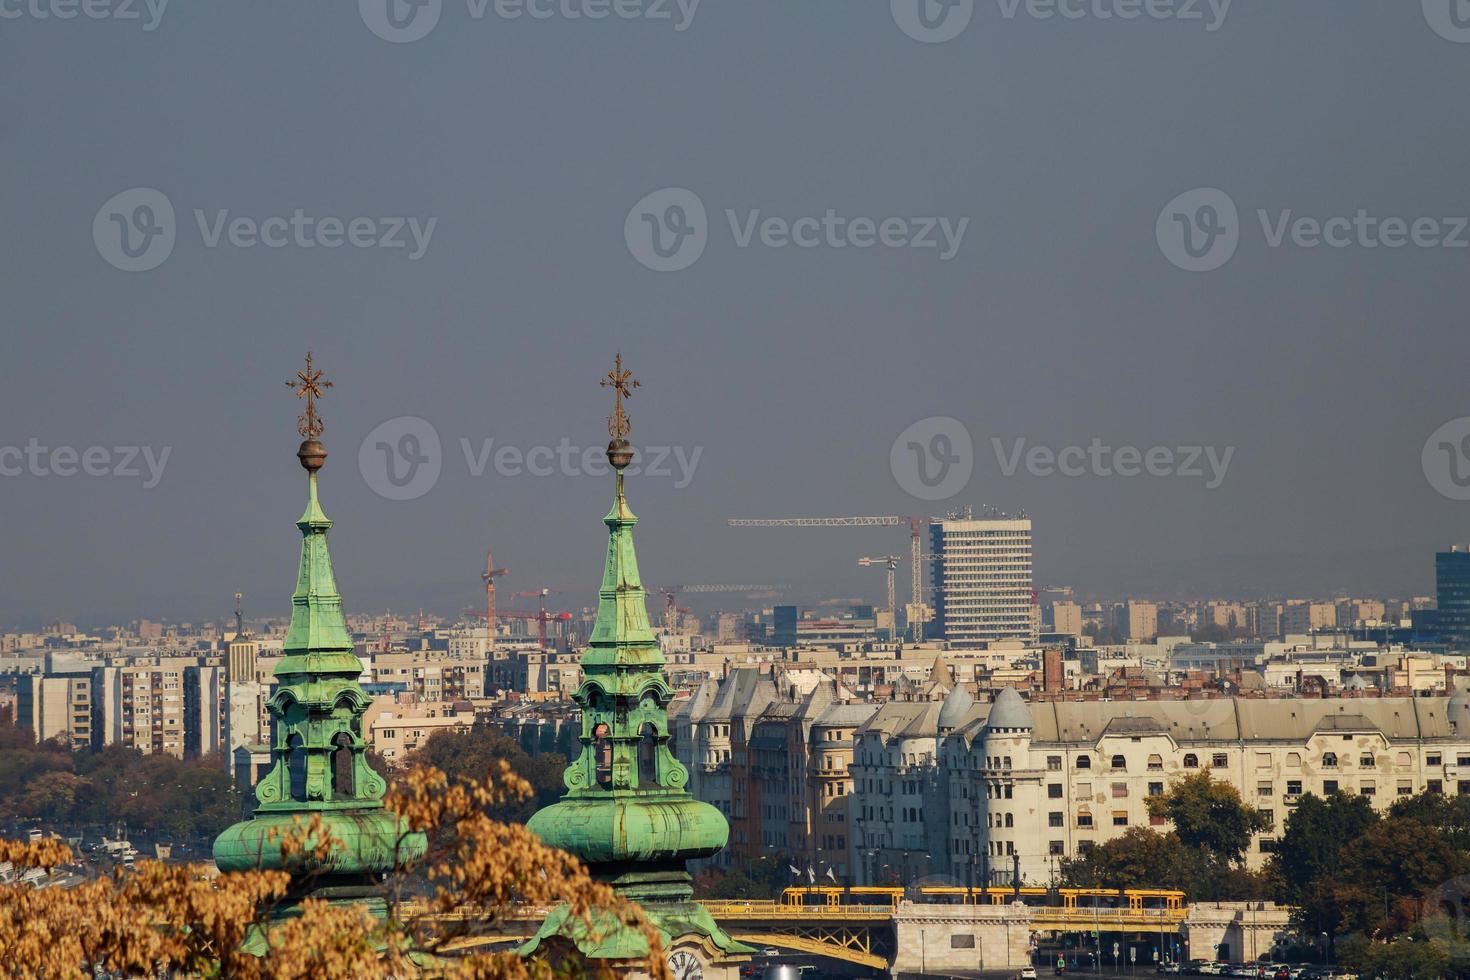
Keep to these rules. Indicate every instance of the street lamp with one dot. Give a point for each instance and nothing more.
(1327, 949)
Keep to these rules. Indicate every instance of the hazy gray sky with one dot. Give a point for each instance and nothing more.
(1058, 319)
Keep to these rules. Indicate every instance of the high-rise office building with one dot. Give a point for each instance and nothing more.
(982, 579)
(1452, 589)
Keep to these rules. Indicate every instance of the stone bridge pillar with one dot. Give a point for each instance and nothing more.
(1248, 930)
(960, 938)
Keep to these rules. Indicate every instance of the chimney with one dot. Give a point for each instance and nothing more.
(1053, 678)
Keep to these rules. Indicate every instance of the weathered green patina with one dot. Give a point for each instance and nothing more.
(320, 752)
(627, 811)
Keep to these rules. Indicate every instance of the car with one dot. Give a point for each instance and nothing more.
(1028, 973)
(1211, 969)
(1169, 969)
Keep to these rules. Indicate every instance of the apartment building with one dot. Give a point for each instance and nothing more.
(1022, 786)
(429, 675)
(56, 707)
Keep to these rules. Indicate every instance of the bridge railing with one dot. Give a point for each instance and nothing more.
(757, 909)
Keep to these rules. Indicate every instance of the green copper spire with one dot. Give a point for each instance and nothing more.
(318, 746)
(627, 812)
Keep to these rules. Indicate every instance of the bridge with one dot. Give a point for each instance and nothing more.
(918, 936)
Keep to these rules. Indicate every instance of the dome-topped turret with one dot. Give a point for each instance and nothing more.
(1009, 711)
(1457, 713)
(955, 707)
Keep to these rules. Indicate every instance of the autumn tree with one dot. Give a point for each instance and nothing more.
(444, 911)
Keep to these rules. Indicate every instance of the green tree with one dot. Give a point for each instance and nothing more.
(1139, 858)
(1382, 878)
(1209, 816)
(1316, 831)
(468, 754)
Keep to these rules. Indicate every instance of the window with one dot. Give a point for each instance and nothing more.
(1264, 789)
(1120, 818)
(1084, 821)
(1432, 759)
(1463, 787)
(1054, 791)
(1293, 787)
(1083, 762)
(1270, 817)
(1054, 819)
(962, 941)
(1368, 789)
(1084, 790)
(1155, 789)
(1054, 763)
(1294, 760)
(1434, 786)
(1406, 789)
(1119, 762)
(1056, 848)
(1219, 760)
(1263, 760)
(1155, 763)
(1120, 791)
(1403, 759)
(1191, 761)
(1268, 845)
(1329, 786)
(1329, 760)
(1462, 760)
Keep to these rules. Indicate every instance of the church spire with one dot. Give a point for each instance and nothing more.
(318, 748)
(627, 812)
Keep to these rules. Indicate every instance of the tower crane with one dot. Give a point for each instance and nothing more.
(891, 563)
(916, 543)
(541, 617)
(491, 574)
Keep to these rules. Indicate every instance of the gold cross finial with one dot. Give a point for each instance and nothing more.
(622, 383)
(309, 384)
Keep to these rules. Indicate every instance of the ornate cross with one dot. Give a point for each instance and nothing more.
(622, 383)
(309, 384)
